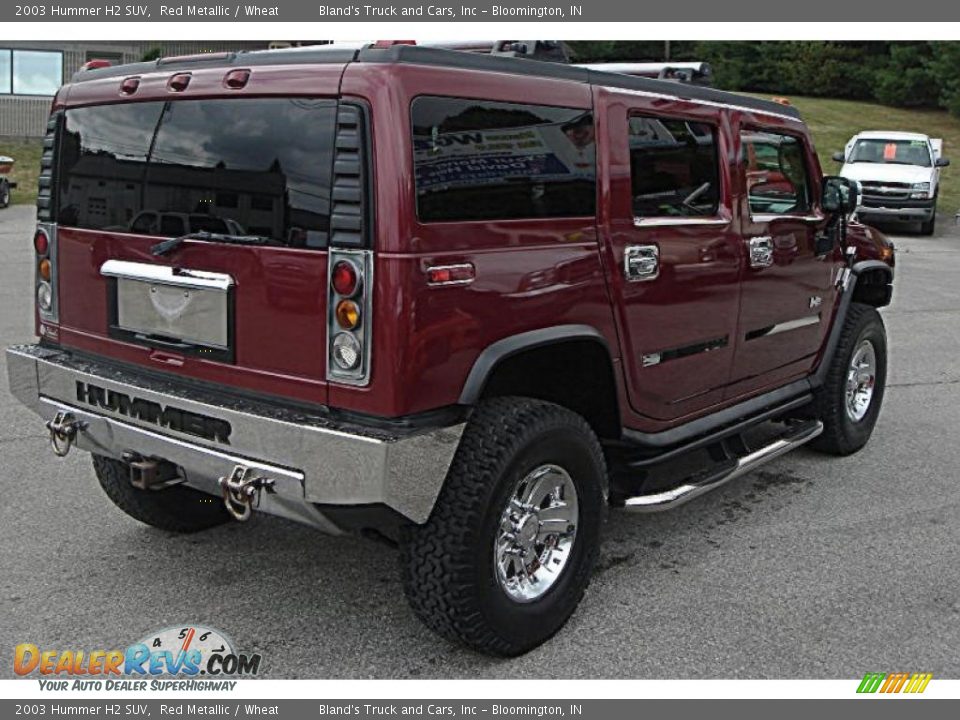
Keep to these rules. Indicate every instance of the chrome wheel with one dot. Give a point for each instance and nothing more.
(861, 380)
(536, 533)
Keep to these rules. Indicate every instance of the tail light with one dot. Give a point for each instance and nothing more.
(348, 327)
(45, 272)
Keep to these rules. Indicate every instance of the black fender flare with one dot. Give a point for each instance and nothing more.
(858, 269)
(502, 349)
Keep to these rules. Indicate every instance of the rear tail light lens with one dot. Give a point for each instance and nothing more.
(348, 314)
(44, 269)
(346, 351)
(41, 243)
(44, 296)
(345, 278)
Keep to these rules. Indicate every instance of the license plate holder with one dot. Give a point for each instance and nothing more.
(186, 311)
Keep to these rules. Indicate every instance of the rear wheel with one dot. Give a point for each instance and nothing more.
(848, 403)
(508, 551)
(4, 194)
(178, 508)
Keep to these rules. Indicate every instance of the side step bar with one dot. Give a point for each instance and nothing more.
(695, 487)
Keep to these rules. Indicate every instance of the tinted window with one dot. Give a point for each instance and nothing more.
(674, 170)
(245, 166)
(777, 178)
(478, 160)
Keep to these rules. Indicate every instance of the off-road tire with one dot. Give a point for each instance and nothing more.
(841, 434)
(447, 564)
(177, 509)
(927, 228)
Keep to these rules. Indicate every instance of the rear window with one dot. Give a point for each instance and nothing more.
(239, 166)
(479, 160)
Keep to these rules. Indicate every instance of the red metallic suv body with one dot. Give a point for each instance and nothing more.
(474, 299)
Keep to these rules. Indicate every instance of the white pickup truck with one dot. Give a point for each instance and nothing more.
(899, 173)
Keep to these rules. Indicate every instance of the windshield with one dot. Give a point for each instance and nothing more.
(239, 166)
(895, 152)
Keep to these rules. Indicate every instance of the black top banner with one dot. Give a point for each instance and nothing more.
(469, 11)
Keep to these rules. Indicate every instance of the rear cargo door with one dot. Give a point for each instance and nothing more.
(247, 313)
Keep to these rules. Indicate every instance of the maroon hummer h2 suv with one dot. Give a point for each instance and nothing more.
(461, 303)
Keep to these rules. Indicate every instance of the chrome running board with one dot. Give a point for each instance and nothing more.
(692, 488)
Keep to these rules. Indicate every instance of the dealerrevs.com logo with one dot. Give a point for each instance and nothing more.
(191, 657)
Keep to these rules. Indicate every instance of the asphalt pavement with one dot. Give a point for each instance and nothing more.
(813, 567)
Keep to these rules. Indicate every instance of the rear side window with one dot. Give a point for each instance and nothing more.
(776, 173)
(674, 168)
(480, 160)
(238, 166)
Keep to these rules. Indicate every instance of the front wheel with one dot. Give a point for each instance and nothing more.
(508, 551)
(848, 402)
(4, 194)
(927, 228)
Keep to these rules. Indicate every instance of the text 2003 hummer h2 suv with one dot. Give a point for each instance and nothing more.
(466, 303)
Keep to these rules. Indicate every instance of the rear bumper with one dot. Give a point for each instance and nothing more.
(312, 459)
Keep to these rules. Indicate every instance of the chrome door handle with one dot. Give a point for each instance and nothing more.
(641, 262)
(761, 251)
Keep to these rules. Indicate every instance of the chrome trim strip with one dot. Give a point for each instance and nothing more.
(642, 222)
(165, 275)
(711, 103)
(669, 499)
(771, 217)
(783, 327)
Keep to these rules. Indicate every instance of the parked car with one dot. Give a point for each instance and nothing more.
(899, 173)
(6, 184)
(526, 291)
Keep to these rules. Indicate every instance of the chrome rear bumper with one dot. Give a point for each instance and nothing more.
(312, 459)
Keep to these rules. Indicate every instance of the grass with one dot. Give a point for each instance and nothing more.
(26, 151)
(832, 123)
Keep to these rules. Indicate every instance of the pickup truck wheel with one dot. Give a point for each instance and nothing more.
(177, 509)
(849, 401)
(510, 546)
(927, 228)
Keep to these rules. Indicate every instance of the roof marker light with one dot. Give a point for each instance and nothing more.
(236, 79)
(178, 82)
(129, 85)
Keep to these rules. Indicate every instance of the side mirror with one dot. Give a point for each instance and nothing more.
(942, 162)
(838, 156)
(840, 195)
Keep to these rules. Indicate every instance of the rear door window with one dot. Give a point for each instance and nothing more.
(674, 168)
(482, 160)
(260, 166)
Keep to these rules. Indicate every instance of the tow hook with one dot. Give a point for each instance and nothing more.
(63, 432)
(241, 491)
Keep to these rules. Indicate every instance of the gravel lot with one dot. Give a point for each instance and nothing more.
(810, 568)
